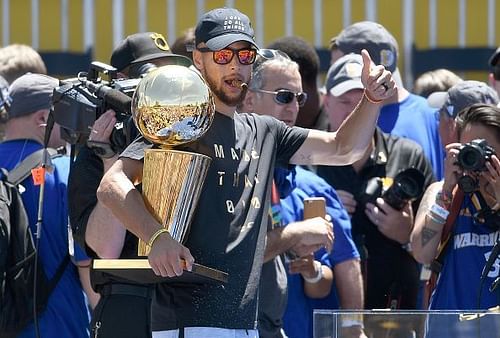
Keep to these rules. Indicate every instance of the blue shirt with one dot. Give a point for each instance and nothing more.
(413, 118)
(66, 314)
(298, 319)
(458, 284)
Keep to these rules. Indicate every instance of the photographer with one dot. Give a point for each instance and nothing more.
(379, 230)
(94, 226)
(464, 280)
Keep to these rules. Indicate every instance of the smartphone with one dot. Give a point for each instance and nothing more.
(314, 207)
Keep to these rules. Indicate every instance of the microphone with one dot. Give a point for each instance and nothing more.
(115, 99)
(493, 256)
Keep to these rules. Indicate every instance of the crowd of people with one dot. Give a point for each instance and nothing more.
(410, 181)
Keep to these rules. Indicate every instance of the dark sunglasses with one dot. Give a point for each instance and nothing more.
(284, 96)
(246, 56)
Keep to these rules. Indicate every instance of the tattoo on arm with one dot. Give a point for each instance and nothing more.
(428, 200)
(427, 235)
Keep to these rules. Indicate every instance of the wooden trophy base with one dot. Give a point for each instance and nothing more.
(138, 271)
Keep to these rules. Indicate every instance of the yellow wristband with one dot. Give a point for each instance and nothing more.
(156, 235)
(370, 99)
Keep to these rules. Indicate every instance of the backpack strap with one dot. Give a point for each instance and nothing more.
(19, 174)
(23, 169)
(437, 262)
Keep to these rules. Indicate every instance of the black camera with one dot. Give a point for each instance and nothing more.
(473, 156)
(78, 102)
(408, 185)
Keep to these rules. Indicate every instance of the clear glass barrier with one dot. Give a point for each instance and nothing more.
(407, 324)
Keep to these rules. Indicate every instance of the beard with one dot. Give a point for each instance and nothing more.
(218, 91)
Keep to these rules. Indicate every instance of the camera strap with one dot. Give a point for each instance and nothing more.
(484, 213)
(437, 263)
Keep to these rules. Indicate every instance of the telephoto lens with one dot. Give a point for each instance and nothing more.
(408, 185)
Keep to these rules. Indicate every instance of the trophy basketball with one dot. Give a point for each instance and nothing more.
(171, 106)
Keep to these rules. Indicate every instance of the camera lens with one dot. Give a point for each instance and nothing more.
(471, 157)
(468, 184)
(408, 185)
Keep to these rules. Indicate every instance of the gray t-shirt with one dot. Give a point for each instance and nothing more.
(229, 226)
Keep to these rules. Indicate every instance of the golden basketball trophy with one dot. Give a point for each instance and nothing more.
(171, 106)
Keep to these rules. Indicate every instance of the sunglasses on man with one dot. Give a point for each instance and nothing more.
(285, 96)
(246, 56)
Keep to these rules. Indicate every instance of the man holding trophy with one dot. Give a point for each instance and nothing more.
(228, 227)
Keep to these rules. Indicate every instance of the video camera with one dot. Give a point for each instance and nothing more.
(408, 185)
(472, 157)
(79, 101)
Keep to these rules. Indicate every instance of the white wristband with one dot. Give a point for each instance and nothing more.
(439, 211)
(319, 273)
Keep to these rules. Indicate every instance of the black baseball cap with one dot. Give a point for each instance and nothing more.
(142, 47)
(223, 26)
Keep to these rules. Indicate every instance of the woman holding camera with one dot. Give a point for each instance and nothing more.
(469, 262)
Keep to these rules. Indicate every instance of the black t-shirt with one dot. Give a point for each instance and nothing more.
(390, 269)
(229, 225)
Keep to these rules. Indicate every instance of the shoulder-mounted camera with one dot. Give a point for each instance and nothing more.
(79, 101)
